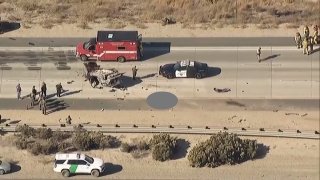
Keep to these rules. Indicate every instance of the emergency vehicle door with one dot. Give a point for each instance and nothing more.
(92, 50)
(181, 72)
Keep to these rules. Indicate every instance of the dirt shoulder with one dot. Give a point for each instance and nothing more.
(296, 159)
(302, 120)
(155, 30)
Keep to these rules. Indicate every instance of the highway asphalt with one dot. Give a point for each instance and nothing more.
(282, 74)
(154, 42)
(56, 104)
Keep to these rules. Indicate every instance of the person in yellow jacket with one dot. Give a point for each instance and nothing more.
(306, 31)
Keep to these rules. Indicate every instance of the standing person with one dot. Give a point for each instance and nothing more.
(43, 105)
(59, 89)
(18, 91)
(33, 95)
(305, 46)
(44, 89)
(316, 34)
(298, 40)
(134, 72)
(259, 53)
(306, 32)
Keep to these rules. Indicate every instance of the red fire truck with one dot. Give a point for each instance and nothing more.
(111, 45)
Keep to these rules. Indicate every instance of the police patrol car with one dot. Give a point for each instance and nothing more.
(186, 69)
(75, 163)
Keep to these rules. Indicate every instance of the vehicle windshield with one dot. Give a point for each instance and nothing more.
(177, 66)
(89, 159)
(86, 45)
(89, 43)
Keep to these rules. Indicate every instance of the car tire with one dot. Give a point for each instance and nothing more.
(65, 173)
(95, 173)
(198, 76)
(170, 76)
(121, 59)
(2, 172)
(84, 58)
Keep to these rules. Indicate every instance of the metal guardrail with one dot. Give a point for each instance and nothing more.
(175, 129)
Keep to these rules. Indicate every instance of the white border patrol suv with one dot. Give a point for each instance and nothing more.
(75, 163)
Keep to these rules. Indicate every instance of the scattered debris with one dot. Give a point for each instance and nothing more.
(305, 114)
(221, 90)
(276, 110)
(112, 90)
(102, 109)
(120, 99)
(232, 117)
(292, 114)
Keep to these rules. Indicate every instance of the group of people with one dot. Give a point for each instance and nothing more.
(42, 95)
(306, 42)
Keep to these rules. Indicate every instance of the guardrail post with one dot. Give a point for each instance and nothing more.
(98, 125)
(298, 131)
(189, 127)
(316, 132)
(243, 129)
(279, 130)
(225, 128)
(153, 126)
(261, 129)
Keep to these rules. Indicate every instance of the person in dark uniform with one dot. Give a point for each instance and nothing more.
(44, 89)
(43, 105)
(134, 72)
(33, 95)
(59, 89)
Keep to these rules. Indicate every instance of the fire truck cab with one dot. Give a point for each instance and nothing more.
(111, 45)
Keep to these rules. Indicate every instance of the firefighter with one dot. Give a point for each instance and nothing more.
(59, 89)
(306, 31)
(134, 72)
(259, 53)
(44, 89)
(316, 34)
(305, 46)
(298, 40)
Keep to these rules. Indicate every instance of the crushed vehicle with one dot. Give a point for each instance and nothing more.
(185, 69)
(76, 163)
(111, 45)
(5, 167)
(97, 75)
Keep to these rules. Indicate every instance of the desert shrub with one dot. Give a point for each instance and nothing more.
(222, 148)
(142, 146)
(25, 131)
(125, 147)
(93, 140)
(101, 141)
(60, 135)
(43, 133)
(46, 148)
(21, 143)
(161, 152)
(163, 146)
(35, 148)
(64, 146)
(82, 141)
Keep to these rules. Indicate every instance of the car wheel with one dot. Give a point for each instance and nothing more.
(121, 59)
(169, 76)
(95, 173)
(65, 173)
(1, 171)
(198, 76)
(84, 58)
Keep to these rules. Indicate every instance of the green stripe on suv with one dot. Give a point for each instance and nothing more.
(73, 168)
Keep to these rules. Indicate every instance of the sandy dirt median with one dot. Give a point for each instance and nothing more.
(286, 159)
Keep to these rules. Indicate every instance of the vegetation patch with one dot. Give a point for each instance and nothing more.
(222, 148)
(45, 141)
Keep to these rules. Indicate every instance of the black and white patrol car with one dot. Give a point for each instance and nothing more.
(186, 69)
